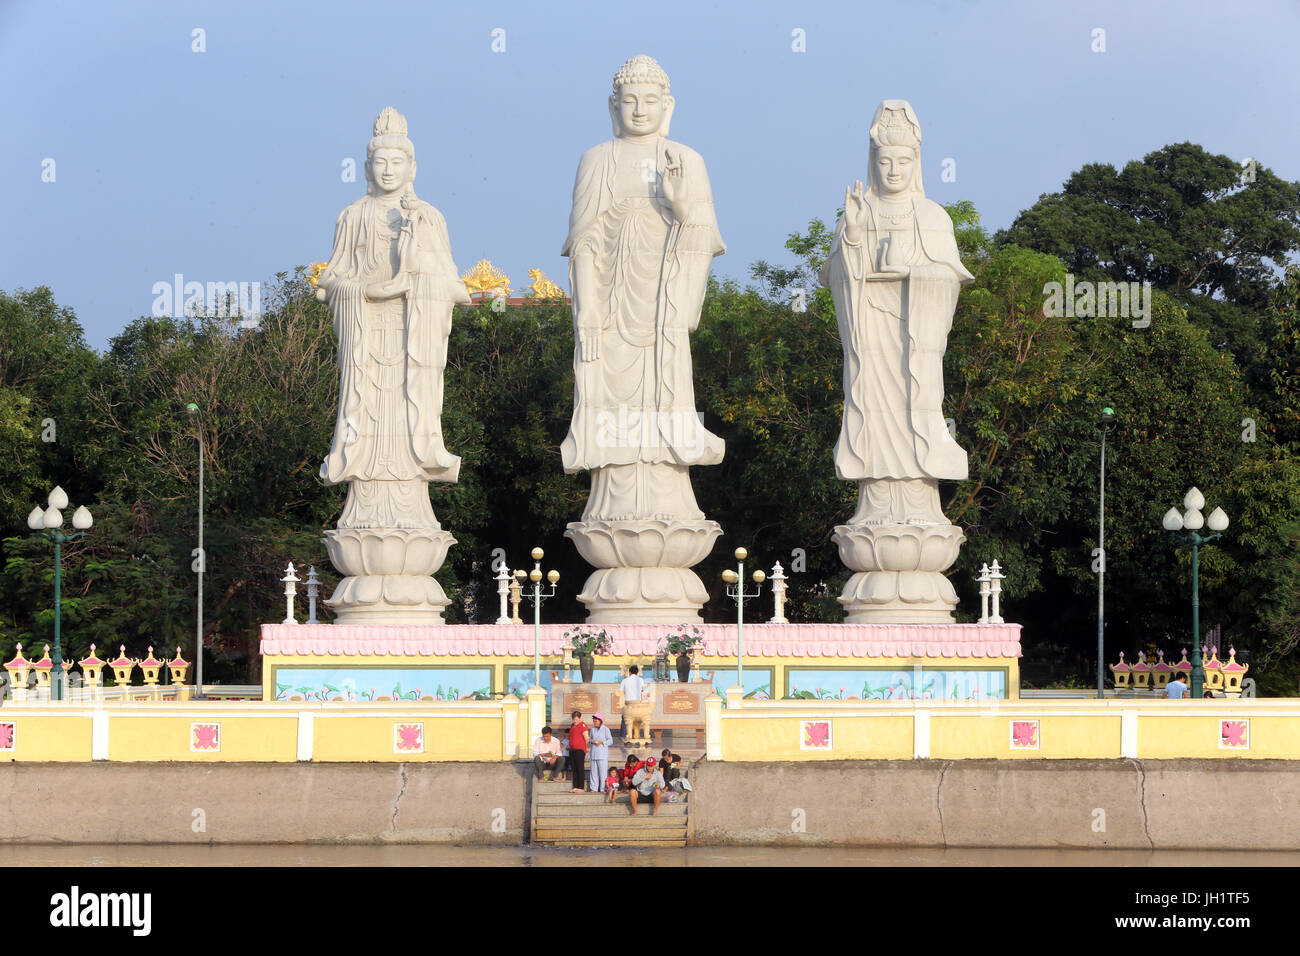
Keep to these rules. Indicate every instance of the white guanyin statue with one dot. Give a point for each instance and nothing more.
(642, 237)
(391, 285)
(895, 273)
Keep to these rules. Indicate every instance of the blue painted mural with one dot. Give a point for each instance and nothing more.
(383, 683)
(882, 683)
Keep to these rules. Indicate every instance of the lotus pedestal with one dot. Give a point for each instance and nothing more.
(389, 575)
(898, 575)
(643, 567)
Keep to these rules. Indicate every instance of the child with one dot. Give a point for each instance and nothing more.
(564, 745)
(612, 785)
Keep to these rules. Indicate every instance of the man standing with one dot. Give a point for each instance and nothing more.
(547, 758)
(598, 756)
(647, 783)
(1176, 689)
(631, 687)
(577, 750)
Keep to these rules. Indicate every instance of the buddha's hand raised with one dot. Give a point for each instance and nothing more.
(589, 344)
(673, 184)
(855, 213)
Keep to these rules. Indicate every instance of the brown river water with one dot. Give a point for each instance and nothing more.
(526, 856)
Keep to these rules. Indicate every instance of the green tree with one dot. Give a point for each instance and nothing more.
(1195, 224)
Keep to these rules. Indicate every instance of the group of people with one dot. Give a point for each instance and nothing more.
(587, 762)
(584, 755)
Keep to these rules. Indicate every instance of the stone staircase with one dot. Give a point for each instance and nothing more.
(561, 818)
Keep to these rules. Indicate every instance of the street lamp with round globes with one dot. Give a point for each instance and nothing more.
(1191, 521)
(47, 523)
(735, 581)
(201, 559)
(537, 596)
(1104, 421)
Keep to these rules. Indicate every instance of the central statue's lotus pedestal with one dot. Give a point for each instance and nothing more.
(898, 572)
(388, 575)
(643, 567)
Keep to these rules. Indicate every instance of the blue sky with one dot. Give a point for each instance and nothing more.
(225, 165)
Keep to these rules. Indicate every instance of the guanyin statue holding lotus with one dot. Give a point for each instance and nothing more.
(895, 273)
(391, 286)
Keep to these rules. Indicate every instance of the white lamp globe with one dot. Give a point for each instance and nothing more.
(1193, 520)
(1173, 521)
(1218, 520)
(58, 498)
(36, 520)
(1194, 500)
(53, 517)
(81, 519)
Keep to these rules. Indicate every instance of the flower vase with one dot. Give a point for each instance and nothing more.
(684, 668)
(586, 667)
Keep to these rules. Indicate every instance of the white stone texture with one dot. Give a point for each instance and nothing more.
(642, 236)
(894, 272)
(391, 285)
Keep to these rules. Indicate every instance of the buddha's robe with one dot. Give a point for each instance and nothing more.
(894, 334)
(636, 401)
(392, 352)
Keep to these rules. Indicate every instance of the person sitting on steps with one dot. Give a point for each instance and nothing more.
(648, 783)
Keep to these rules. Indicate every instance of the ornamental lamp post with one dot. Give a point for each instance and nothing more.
(735, 581)
(1192, 521)
(537, 597)
(201, 560)
(1105, 420)
(47, 523)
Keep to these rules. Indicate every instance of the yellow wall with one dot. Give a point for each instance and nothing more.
(1062, 737)
(255, 731)
(1065, 729)
(345, 737)
(45, 735)
(880, 737)
(1198, 736)
(162, 736)
(753, 731)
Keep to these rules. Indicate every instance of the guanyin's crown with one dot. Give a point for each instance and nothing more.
(390, 123)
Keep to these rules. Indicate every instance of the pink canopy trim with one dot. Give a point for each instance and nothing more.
(644, 640)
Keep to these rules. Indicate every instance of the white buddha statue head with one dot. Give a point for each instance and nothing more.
(895, 153)
(640, 105)
(390, 157)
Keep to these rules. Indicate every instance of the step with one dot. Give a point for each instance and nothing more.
(556, 811)
(617, 823)
(614, 837)
(546, 797)
(663, 844)
(610, 837)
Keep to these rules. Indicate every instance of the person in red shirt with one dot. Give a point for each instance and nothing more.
(578, 751)
(628, 771)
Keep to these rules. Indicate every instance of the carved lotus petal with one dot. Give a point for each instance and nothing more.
(644, 544)
(383, 554)
(361, 551)
(898, 547)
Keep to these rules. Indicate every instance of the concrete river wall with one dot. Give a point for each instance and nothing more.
(1130, 804)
